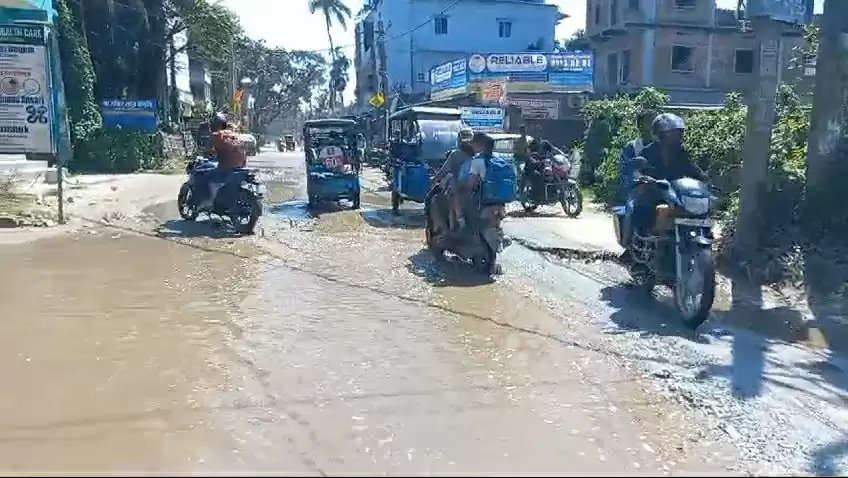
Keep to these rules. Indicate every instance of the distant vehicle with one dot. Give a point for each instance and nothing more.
(249, 142)
(289, 141)
(420, 141)
(546, 180)
(330, 173)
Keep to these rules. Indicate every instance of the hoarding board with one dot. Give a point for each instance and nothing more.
(131, 114)
(572, 70)
(26, 113)
(483, 119)
(792, 11)
(565, 72)
(450, 75)
(536, 108)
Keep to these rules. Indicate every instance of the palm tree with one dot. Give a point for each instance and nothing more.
(331, 9)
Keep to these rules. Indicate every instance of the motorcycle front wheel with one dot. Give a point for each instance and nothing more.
(694, 290)
(524, 198)
(572, 200)
(247, 210)
(186, 203)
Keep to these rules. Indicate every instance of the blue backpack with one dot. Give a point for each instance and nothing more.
(499, 185)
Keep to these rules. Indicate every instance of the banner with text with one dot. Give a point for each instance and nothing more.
(483, 119)
(25, 98)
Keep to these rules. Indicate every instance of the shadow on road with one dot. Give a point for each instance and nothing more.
(384, 218)
(546, 212)
(637, 310)
(445, 271)
(211, 228)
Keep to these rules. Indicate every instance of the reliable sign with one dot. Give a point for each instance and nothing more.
(25, 95)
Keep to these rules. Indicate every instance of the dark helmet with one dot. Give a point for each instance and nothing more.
(219, 121)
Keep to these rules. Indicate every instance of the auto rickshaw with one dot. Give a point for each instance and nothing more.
(420, 139)
(289, 140)
(330, 173)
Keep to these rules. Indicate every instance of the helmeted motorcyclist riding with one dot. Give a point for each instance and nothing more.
(666, 159)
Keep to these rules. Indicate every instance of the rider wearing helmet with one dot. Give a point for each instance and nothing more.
(229, 151)
(665, 159)
(449, 173)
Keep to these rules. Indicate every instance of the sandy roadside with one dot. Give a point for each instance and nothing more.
(95, 198)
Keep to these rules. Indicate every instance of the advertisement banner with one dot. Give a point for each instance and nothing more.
(450, 75)
(25, 97)
(573, 71)
(132, 114)
(536, 109)
(483, 119)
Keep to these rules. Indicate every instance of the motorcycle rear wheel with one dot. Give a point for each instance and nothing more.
(246, 214)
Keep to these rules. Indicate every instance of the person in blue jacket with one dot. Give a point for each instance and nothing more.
(633, 149)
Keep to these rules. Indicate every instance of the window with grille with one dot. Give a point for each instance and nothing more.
(441, 25)
(504, 28)
(682, 59)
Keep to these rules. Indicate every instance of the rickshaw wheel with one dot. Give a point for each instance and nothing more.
(356, 201)
(395, 202)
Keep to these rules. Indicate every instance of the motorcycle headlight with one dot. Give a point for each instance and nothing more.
(696, 206)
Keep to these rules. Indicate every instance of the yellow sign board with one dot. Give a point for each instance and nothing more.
(377, 100)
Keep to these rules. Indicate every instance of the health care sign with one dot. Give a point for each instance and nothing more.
(25, 96)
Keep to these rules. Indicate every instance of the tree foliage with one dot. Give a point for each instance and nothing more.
(78, 74)
(283, 80)
(577, 41)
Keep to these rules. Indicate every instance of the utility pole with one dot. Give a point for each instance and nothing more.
(761, 112)
(828, 140)
(384, 76)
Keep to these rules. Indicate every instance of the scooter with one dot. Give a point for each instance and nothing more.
(239, 198)
(547, 181)
(677, 252)
(480, 243)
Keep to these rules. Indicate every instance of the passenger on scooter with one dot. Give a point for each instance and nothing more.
(665, 159)
(449, 172)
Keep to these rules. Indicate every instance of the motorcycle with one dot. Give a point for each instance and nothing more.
(480, 245)
(677, 252)
(239, 198)
(547, 181)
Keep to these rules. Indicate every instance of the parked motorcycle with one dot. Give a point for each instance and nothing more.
(546, 181)
(480, 245)
(677, 252)
(239, 199)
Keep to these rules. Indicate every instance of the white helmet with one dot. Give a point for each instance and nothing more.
(667, 122)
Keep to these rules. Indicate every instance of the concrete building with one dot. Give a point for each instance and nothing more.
(200, 82)
(420, 34)
(690, 48)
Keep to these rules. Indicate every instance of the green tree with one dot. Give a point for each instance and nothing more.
(78, 72)
(339, 74)
(578, 41)
(331, 9)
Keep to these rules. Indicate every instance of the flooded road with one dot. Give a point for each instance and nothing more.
(330, 343)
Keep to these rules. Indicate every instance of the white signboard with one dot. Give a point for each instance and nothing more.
(517, 62)
(483, 119)
(537, 109)
(25, 109)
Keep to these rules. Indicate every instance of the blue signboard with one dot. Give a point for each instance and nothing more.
(132, 114)
(572, 69)
(792, 11)
(568, 71)
(448, 75)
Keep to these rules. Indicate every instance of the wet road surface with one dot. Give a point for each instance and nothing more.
(329, 343)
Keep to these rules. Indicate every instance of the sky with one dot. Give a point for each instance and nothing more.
(288, 24)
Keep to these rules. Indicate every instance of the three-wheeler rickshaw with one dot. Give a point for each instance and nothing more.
(329, 149)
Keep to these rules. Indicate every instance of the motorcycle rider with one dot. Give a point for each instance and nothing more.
(633, 149)
(664, 159)
(229, 151)
(472, 176)
(448, 175)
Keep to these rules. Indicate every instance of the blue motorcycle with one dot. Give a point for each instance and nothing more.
(239, 197)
